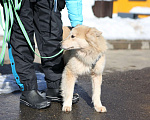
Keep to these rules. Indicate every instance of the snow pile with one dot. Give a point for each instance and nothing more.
(115, 28)
(8, 83)
(141, 10)
(1, 30)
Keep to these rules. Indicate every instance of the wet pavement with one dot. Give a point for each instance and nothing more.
(126, 95)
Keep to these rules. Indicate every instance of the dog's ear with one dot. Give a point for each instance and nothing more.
(66, 32)
(93, 32)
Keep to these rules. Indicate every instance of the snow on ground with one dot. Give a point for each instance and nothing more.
(1, 30)
(8, 83)
(113, 29)
(142, 10)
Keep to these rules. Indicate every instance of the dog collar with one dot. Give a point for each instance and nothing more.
(93, 65)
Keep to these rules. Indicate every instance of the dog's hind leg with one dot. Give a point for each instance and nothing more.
(67, 87)
(96, 84)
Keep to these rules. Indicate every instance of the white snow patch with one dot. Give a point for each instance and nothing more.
(8, 83)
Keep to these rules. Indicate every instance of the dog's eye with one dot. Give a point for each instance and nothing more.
(72, 36)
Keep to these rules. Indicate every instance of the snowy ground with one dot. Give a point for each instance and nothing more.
(113, 29)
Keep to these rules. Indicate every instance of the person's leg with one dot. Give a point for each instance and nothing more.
(22, 54)
(48, 31)
(22, 57)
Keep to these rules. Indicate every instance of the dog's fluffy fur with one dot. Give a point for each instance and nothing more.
(83, 46)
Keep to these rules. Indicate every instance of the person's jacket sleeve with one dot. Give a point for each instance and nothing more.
(74, 11)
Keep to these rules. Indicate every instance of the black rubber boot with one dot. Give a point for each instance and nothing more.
(54, 95)
(34, 100)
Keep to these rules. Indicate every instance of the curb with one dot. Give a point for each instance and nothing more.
(128, 44)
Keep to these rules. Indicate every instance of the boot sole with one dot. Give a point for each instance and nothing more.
(34, 106)
(56, 99)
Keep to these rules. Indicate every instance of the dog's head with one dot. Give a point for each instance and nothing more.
(82, 37)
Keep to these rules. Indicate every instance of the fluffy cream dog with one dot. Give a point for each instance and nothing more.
(84, 54)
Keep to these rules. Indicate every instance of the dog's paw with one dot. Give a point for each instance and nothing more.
(66, 108)
(100, 108)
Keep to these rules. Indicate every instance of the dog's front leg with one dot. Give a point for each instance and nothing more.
(67, 87)
(96, 84)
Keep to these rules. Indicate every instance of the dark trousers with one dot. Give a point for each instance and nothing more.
(39, 18)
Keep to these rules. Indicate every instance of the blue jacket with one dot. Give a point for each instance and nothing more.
(74, 11)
